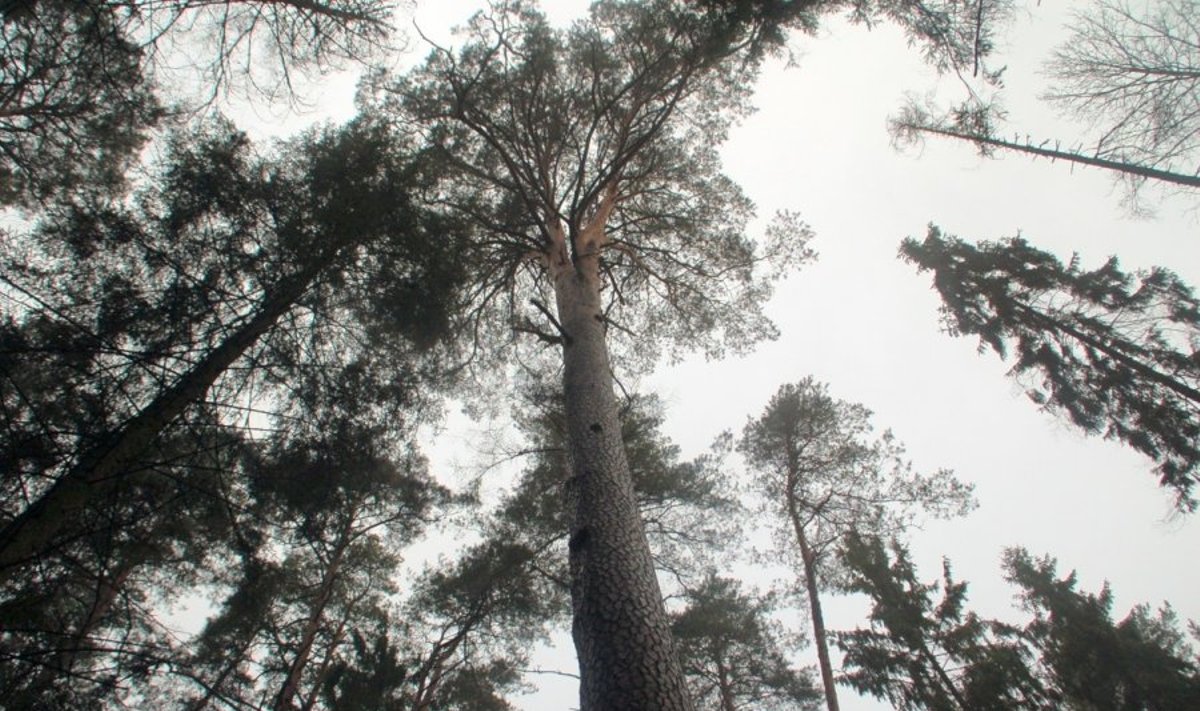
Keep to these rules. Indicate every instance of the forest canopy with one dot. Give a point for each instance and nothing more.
(233, 470)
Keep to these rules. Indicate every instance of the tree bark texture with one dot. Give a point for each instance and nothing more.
(34, 530)
(808, 556)
(627, 658)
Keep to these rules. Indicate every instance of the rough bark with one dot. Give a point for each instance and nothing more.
(808, 556)
(34, 530)
(627, 656)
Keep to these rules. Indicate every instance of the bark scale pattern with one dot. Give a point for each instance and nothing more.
(626, 652)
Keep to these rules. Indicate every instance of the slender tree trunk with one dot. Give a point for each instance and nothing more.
(34, 530)
(1141, 171)
(428, 677)
(627, 658)
(814, 600)
(326, 666)
(725, 686)
(65, 660)
(1174, 384)
(316, 615)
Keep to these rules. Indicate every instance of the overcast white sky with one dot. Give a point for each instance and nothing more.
(867, 324)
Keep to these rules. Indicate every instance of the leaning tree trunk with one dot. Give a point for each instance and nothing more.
(1140, 171)
(627, 659)
(34, 531)
(312, 625)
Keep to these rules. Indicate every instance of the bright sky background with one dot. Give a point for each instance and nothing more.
(867, 324)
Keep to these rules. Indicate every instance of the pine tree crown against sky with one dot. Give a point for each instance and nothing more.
(544, 125)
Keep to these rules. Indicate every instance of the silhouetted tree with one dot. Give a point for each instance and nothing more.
(1130, 73)
(1117, 353)
(146, 310)
(924, 649)
(927, 653)
(1088, 660)
(733, 654)
(144, 346)
(82, 83)
(823, 476)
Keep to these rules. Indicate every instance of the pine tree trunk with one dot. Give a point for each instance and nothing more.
(725, 686)
(1141, 171)
(316, 616)
(34, 530)
(627, 659)
(814, 602)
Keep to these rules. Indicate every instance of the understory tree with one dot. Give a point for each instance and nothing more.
(734, 653)
(1117, 353)
(331, 503)
(925, 650)
(823, 476)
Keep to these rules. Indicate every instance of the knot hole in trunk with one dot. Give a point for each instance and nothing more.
(578, 539)
(595, 427)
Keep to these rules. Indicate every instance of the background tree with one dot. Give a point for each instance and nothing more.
(463, 628)
(690, 511)
(1130, 73)
(977, 124)
(334, 501)
(922, 653)
(1115, 352)
(1090, 661)
(74, 106)
(733, 654)
(923, 649)
(146, 345)
(823, 476)
(166, 298)
(83, 83)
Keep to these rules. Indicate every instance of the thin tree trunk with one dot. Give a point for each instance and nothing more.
(1177, 386)
(1141, 171)
(627, 658)
(942, 676)
(814, 602)
(213, 690)
(35, 529)
(326, 665)
(65, 660)
(725, 686)
(316, 614)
